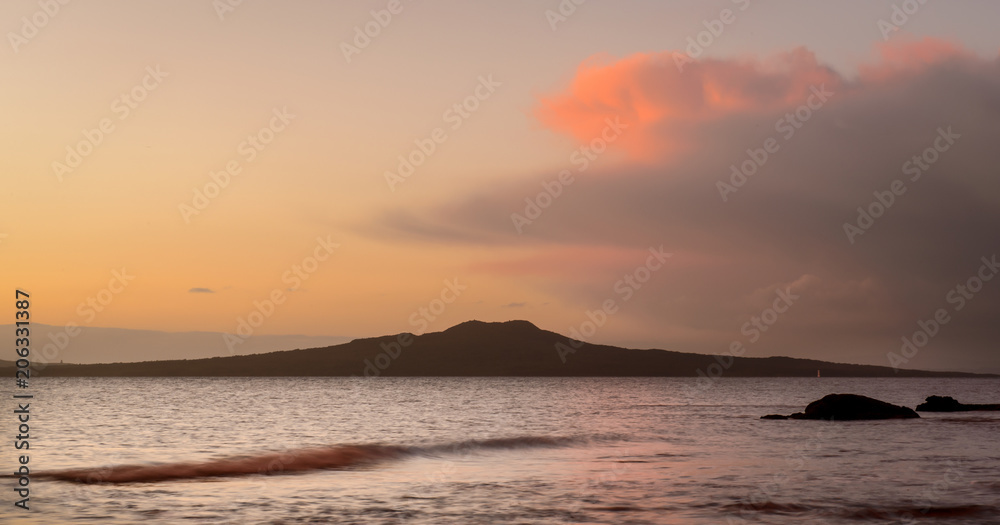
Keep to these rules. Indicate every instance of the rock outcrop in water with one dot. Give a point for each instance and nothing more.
(950, 404)
(850, 407)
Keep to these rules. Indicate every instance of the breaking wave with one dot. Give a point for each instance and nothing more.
(290, 461)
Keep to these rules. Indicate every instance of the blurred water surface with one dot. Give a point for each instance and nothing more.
(512, 450)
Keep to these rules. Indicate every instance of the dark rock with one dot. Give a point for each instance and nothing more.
(848, 407)
(949, 404)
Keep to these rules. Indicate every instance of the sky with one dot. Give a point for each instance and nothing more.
(681, 175)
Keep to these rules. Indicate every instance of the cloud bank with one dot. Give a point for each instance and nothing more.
(757, 185)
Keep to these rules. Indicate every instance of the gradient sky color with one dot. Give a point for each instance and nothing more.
(347, 122)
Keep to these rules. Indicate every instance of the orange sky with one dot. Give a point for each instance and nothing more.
(118, 116)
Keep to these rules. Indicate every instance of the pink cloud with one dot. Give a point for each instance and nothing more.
(661, 99)
(904, 57)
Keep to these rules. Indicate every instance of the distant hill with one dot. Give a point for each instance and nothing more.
(95, 344)
(474, 348)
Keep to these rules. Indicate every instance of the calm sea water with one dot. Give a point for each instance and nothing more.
(504, 450)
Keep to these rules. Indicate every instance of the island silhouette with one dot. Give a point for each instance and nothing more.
(476, 348)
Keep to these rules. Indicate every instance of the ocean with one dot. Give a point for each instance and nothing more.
(498, 450)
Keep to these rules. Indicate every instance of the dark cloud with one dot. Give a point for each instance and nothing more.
(784, 227)
(201, 290)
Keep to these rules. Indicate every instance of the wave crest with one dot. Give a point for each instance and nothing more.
(290, 461)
